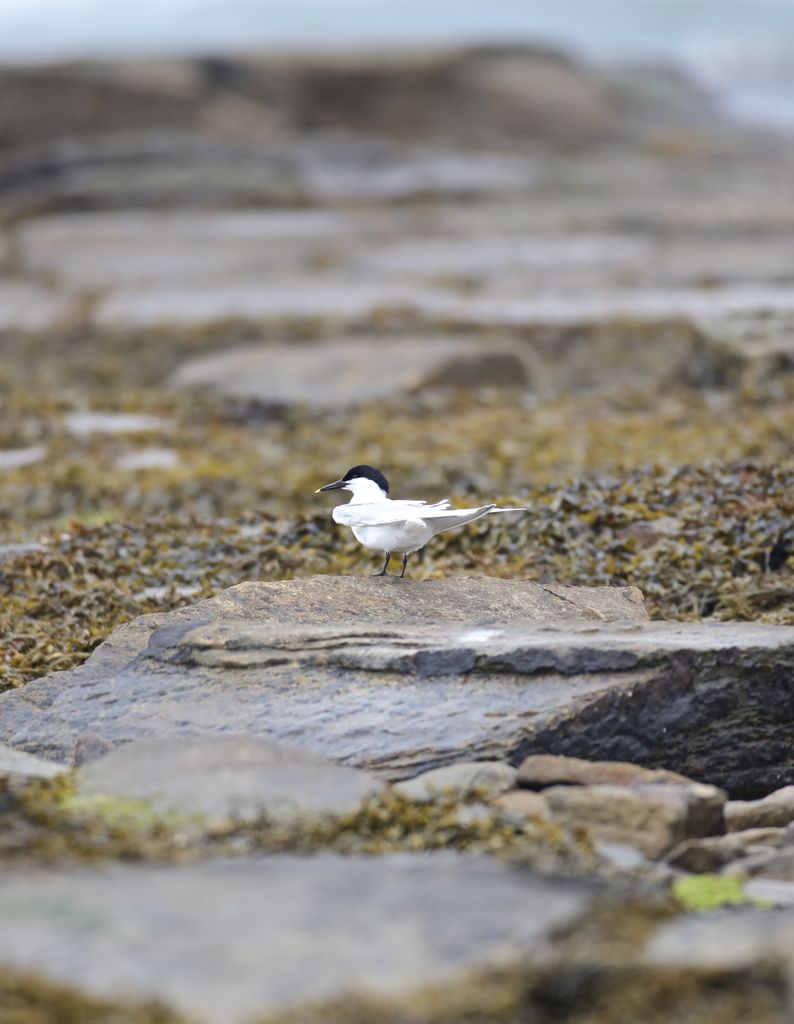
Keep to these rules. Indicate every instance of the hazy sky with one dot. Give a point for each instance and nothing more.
(686, 29)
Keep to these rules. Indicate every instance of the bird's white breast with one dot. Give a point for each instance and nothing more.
(403, 537)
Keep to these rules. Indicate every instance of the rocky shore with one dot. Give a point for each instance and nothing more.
(549, 778)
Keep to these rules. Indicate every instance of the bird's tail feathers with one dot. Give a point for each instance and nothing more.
(498, 509)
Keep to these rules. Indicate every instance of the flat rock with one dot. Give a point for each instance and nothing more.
(712, 854)
(246, 297)
(85, 422)
(227, 778)
(148, 458)
(28, 306)
(17, 765)
(541, 770)
(490, 776)
(402, 676)
(225, 942)
(340, 373)
(610, 302)
(723, 942)
(776, 810)
(654, 818)
(97, 250)
(770, 890)
(319, 600)
(11, 551)
(16, 458)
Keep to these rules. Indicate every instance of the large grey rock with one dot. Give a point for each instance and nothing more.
(230, 941)
(341, 373)
(227, 778)
(403, 676)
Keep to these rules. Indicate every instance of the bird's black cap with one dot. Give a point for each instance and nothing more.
(368, 472)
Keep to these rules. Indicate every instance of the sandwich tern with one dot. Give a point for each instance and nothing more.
(395, 527)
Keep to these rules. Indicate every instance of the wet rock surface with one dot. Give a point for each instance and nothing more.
(481, 681)
(324, 928)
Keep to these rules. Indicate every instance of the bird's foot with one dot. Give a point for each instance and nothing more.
(382, 573)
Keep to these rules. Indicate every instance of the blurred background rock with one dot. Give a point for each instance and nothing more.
(497, 249)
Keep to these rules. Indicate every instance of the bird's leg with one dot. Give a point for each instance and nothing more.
(385, 565)
(405, 562)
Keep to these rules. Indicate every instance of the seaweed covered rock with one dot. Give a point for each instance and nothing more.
(227, 778)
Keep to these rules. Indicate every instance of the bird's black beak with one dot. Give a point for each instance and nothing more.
(332, 487)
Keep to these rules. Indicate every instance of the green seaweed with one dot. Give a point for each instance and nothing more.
(709, 892)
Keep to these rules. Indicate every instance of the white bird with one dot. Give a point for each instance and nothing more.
(401, 526)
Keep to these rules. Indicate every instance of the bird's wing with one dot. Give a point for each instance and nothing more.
(444, 503)
(448, 519)
(382, 513)
(378, 513)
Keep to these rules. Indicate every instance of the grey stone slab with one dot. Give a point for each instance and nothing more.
(227, 778)
(339, 373)
(733, 939)
(97, 250)
(403, 676)
(224, 942)
(770, 890)
(16, 458)
(17, 765)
